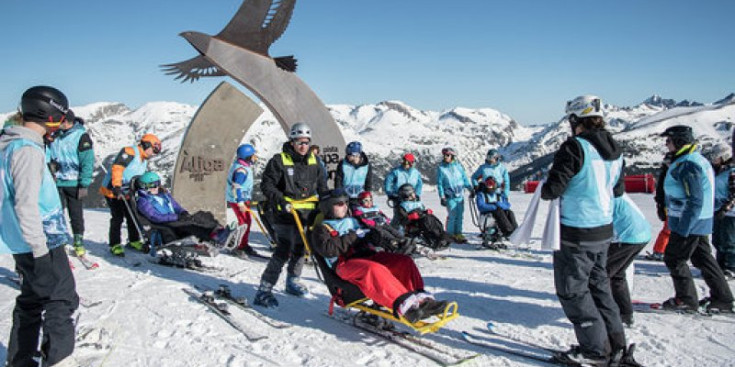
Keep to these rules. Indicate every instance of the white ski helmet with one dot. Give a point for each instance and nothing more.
(300, 130)
(585, 106)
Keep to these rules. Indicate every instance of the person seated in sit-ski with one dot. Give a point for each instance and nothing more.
(389, 279)
(367, 212)
(490, 202)
(159, 207)
(418, 220)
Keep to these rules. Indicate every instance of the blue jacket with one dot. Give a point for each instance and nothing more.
(399, 176)
(722, 189)
(489, 202)
(629, 224)
(451, 180)
(690, 195)
(498, 172)
(161, 208)
(239, 182)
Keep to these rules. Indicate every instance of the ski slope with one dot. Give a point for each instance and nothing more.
(139, 316)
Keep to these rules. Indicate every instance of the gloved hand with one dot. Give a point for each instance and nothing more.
(361, 232)
(117, 191)
(285, 205)
(661, 212)
(184, 214)
(443, 201)
(720, 213)
(413, 216)
(82, 192)
(473, 193)
(492, 207)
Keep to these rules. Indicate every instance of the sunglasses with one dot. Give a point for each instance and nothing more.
(302, 143)
(156, 148)
(52, 124)
(448, 155)
(152, 185)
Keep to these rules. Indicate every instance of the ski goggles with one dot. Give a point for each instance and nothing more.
(156, 148)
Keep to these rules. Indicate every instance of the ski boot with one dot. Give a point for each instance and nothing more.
(138, 245)
(264, 297)
(117, 250)
(655, 256)
(624, 358)
(675, 304)
(459, 238)
(295, 287)
(575, 356)
(78, 245)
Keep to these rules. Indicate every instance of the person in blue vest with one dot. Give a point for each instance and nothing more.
(71, 158)
(723, 228)
(130, 162)
(34, 230)
(493, 168)
(239, 193)
(397, 177)
(391, 280)
(632, 233)
(354, 173)
(451, 181)
(489, 202)
(690, 200)
(292, 181)
(586, 175)
(158, 206)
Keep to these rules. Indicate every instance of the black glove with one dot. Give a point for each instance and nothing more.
(117, 191)
(720, 213)
(443, 201)
(184, 214)
(82, 192)
(473, 193)
(661, 212)
(285, 206)
(374, 237)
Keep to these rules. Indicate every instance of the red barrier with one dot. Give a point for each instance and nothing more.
(530, 187)
(640, 183)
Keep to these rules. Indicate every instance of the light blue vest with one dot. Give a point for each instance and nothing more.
(629, 224)
(246, 189)
(372, 213)
(354, 178)
(342, 226)
(410, 206)
(64, 150)
(399, 176)
(452, 179)
(49, 205)
(676, 196)
(496, 171)
(722, 190)
(588, 200)
(136, 167)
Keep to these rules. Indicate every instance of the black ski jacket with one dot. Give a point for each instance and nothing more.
(567, 163)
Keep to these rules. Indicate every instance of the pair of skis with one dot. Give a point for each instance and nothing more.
(86, 262)
(218, 301)
(646, 307)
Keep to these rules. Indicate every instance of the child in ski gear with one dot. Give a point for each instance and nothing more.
(239, 193)
(420, 221)
(632, 233)
(723, 229)
(690, 189)
(493, 168)
(391, 280)
(159, 207)
(586, 216)
(130, 162)
(367, 212)
(292, 181)
(354, 173)
(490, 203)
(71, 158)
(451, 183)
(398, 176)
(660, 197)
(34, 230)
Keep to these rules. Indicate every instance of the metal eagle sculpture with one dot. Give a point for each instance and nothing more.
(255, 26)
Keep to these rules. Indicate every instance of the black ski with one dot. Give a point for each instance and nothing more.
(220, 309)
(438, 353)
(645, 307)
(224, 293)
(490, 329)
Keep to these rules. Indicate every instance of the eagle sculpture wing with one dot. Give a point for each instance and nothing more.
(192, 69)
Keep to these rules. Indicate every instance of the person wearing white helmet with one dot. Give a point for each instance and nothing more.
(723, 228)
(292, 180)
(34, 230)
(586, 175)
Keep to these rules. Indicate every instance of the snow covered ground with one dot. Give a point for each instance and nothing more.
(140, 316)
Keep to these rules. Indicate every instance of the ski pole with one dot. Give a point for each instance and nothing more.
(135, 220)
(301, 231)
(473, 214)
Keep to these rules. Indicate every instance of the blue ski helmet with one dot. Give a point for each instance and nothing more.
(354, 147)
(149, 180)
(245, 151)
(492, 153)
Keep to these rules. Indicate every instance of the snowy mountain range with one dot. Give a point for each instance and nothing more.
(390, 128)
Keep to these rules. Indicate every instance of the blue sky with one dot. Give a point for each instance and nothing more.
(523, 58)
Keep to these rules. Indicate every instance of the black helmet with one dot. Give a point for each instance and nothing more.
(405, 191)
(44, 104)
(333, 197)
(680, 135)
